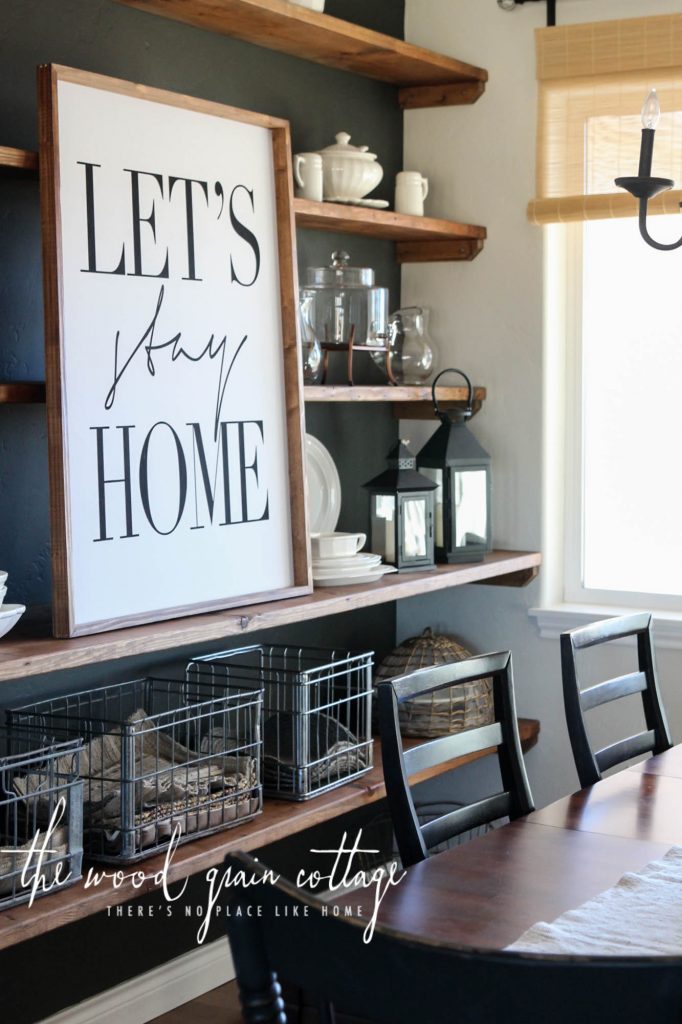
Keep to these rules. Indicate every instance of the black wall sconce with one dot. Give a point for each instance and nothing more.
(509, 5)
(642, 186)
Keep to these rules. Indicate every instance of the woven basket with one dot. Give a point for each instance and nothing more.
(451, 710)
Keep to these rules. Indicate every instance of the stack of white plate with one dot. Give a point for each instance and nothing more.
(337, 560)
(9, 613)
(339, 572)
(336, 570)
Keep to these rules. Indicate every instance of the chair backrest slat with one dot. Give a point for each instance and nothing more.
(441, 677)
(612, 689)
(446, 748)
(656, 738)
(616, 628)
(415, 839)
(454, 823)
(625, 750)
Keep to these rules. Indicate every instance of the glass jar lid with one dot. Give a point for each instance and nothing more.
(340, 275)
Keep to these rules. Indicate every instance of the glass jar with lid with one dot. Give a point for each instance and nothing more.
(347, 309)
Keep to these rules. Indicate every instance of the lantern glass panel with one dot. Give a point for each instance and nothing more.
(471, 507)
(383, 526)
(414, 528)
(438, 523)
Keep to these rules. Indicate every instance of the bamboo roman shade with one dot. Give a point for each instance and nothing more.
(593, 80)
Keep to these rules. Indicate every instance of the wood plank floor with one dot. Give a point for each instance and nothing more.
(219, 1006)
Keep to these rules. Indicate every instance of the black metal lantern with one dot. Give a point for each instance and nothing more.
(402, 512)
(460, 469)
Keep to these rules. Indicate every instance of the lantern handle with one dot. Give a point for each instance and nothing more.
(466, 413)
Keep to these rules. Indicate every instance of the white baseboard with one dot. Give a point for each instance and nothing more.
(142, 999)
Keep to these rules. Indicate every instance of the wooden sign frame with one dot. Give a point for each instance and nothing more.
(89, 592)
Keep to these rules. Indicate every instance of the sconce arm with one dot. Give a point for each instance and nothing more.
(645, 188)
(663, 246)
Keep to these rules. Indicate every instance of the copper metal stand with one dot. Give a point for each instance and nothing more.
(351, 348)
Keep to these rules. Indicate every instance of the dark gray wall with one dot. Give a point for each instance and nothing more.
(102, 36)
(43, 975)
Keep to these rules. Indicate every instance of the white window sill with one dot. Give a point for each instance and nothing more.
(551, 622)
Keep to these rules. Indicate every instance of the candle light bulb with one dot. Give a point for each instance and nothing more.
(651, 111)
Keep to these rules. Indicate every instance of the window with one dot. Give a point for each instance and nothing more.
(623, 414)
(613, 353)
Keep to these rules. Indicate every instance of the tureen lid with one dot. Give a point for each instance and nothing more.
(340, 275)
(342, 147)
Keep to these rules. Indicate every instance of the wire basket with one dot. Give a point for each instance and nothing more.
(317, 713)
(162, 758)
(41, 805)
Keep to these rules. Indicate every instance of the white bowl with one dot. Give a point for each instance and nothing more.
(9, 616)
(3, 591)
(3, 577)
(336, 545)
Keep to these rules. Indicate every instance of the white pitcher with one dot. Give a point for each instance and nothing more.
(308, 175)
(410, 192)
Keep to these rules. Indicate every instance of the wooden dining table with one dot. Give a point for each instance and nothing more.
(488, 891)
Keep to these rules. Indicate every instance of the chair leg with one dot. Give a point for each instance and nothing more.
(263, 1006)
(326, 1013)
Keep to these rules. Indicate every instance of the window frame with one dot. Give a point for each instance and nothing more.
(563, 317)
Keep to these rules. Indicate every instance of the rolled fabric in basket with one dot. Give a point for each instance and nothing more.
(333, 751)
(170, 779)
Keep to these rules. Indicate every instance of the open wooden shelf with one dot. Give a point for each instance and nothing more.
(21, 159)
(409, 402)
(418, 239)
(279, 819)
(427, 79)
(21, 392)
(29, 650)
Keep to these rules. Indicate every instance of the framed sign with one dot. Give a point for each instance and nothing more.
(175, 422)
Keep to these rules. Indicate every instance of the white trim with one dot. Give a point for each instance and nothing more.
(551, 622)
(554, 416)
(162, 989)
(574, 440)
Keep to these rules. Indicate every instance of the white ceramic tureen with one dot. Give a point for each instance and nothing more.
(349, 172)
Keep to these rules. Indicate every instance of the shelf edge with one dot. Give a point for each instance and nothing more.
(22, 392)
(321, 39)
(19, 159)
(27, 657)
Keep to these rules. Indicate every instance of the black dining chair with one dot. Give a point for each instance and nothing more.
(276, 930)
(415, 839)
(591, 764)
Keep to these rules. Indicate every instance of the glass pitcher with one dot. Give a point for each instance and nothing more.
(311, 350)
(413, 356)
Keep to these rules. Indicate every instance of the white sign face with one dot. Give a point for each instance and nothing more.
(173, 410)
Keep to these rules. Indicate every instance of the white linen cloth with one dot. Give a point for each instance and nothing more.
(640, 915)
